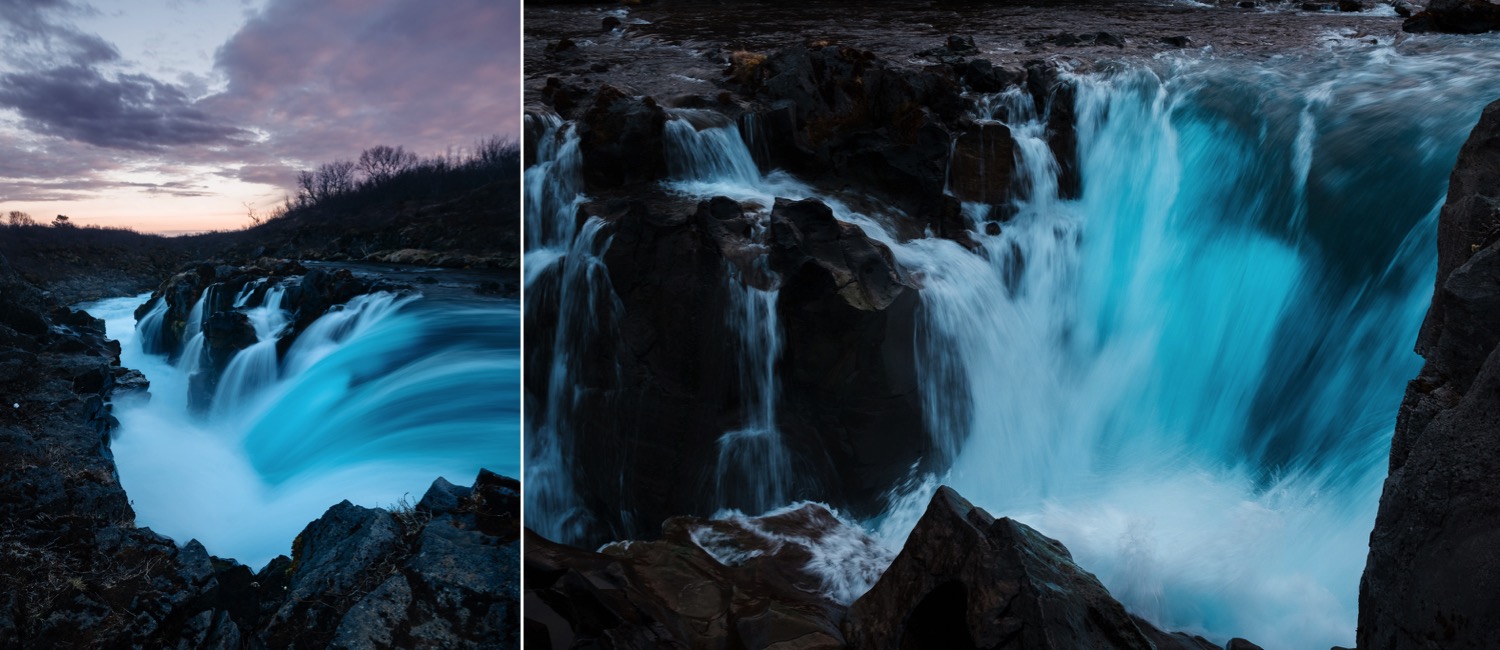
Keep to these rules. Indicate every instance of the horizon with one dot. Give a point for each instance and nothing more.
(176, 117)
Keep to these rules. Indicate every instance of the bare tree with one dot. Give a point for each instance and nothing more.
(255, 219)
(334, 178)
(381, 162)
(19, 218)
(307, 188)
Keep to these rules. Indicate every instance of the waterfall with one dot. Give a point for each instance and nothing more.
(255, 367)
(754, 471)
(1190, 373)
(370, 403)
(192, 333)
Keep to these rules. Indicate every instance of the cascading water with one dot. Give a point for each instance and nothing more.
(1189, 374)
(754, 468)
(371, 403)
(567, 271)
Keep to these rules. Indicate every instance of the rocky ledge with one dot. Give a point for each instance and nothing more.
(79, 573)
(786, 580)
(1433, 575)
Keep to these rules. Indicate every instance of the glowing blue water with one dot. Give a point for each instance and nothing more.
(370, 404)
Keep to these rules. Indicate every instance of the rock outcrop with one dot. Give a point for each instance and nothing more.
(1433, 573)
(1456, 16)
(967, 580)
(656, 397)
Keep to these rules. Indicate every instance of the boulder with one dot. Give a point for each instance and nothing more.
(1456, 16)
(621, 140)
(737, 583)
(967, 580)
(983, 164)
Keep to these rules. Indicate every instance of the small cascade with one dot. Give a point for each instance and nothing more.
(754, 471)
(704, 145)
(579, 284)
(256, 367)
(192, 334)
(554, 185)
(149, 329)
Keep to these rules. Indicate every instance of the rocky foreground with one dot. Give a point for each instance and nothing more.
(963, 580)
(77, 572)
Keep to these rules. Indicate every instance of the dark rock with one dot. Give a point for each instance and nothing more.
(848, 316)
(1173, 640)
(844, 113)
(1351, 5)
(983, 76)
(983, 164)
(1432, 578)
(1241, 644)
(1456, 16)
(620, 138)
(443, 497)
(1248, 4)
(967, 580)
(610, 22)
(806, 234)
(1316, 6)
(702, 584)
(1184, 41)
(1108, 39)
(1404, 9)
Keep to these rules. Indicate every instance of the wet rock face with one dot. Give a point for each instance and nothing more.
(1433, 578)
(703, 584)
(1456, 16)
(967, 580)
(848, 316)
(659, 394)
(980, 169)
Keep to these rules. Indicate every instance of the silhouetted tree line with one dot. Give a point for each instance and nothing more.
(385, 174)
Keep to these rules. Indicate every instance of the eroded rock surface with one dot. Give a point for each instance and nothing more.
(1433, 574)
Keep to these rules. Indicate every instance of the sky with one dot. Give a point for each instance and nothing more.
(179, 116)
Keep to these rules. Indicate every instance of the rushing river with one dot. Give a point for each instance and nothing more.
(370, 404)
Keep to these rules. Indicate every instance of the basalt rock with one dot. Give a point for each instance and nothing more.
(967, 580)
(848, 114)
(983, 164)
(1432, 578)
(658, 386)
(620, 138)
(1456, 16)
(225, 334)
(848, 316)
(742, 583)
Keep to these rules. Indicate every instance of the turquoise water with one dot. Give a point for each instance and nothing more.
(370, 404)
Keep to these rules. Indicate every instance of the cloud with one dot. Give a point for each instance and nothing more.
(130, 111)
(328, 79)
(35, 34)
